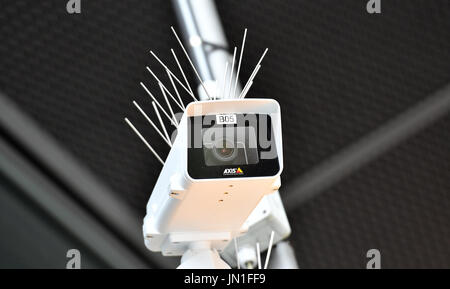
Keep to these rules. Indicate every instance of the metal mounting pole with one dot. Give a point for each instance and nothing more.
(205, 39)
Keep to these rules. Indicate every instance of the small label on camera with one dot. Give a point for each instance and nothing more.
(233, 171)
(226, 119)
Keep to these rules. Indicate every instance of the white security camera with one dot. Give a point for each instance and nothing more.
(227, 155)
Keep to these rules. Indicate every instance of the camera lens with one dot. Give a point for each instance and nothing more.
(224, 150)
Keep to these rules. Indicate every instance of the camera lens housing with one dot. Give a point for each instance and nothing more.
(228, 146)
(225, 151)
(231, 145)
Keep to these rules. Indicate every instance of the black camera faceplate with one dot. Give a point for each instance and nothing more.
(268, 162)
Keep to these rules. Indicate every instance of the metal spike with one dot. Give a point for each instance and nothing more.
(144, 141)
(151, 123)
(239, 64)
(190, 61)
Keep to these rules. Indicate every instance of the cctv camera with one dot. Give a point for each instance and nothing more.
(227, 155)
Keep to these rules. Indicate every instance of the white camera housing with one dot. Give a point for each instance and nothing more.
(184, 209)
(269, 216)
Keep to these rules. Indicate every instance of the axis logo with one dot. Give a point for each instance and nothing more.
(233, 171)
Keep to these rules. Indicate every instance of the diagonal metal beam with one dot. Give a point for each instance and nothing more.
(57, 204)
(367, 149)
(96, 196)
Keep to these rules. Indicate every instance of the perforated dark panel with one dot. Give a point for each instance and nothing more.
(337, 72)
(77, 76)
(397, 204)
